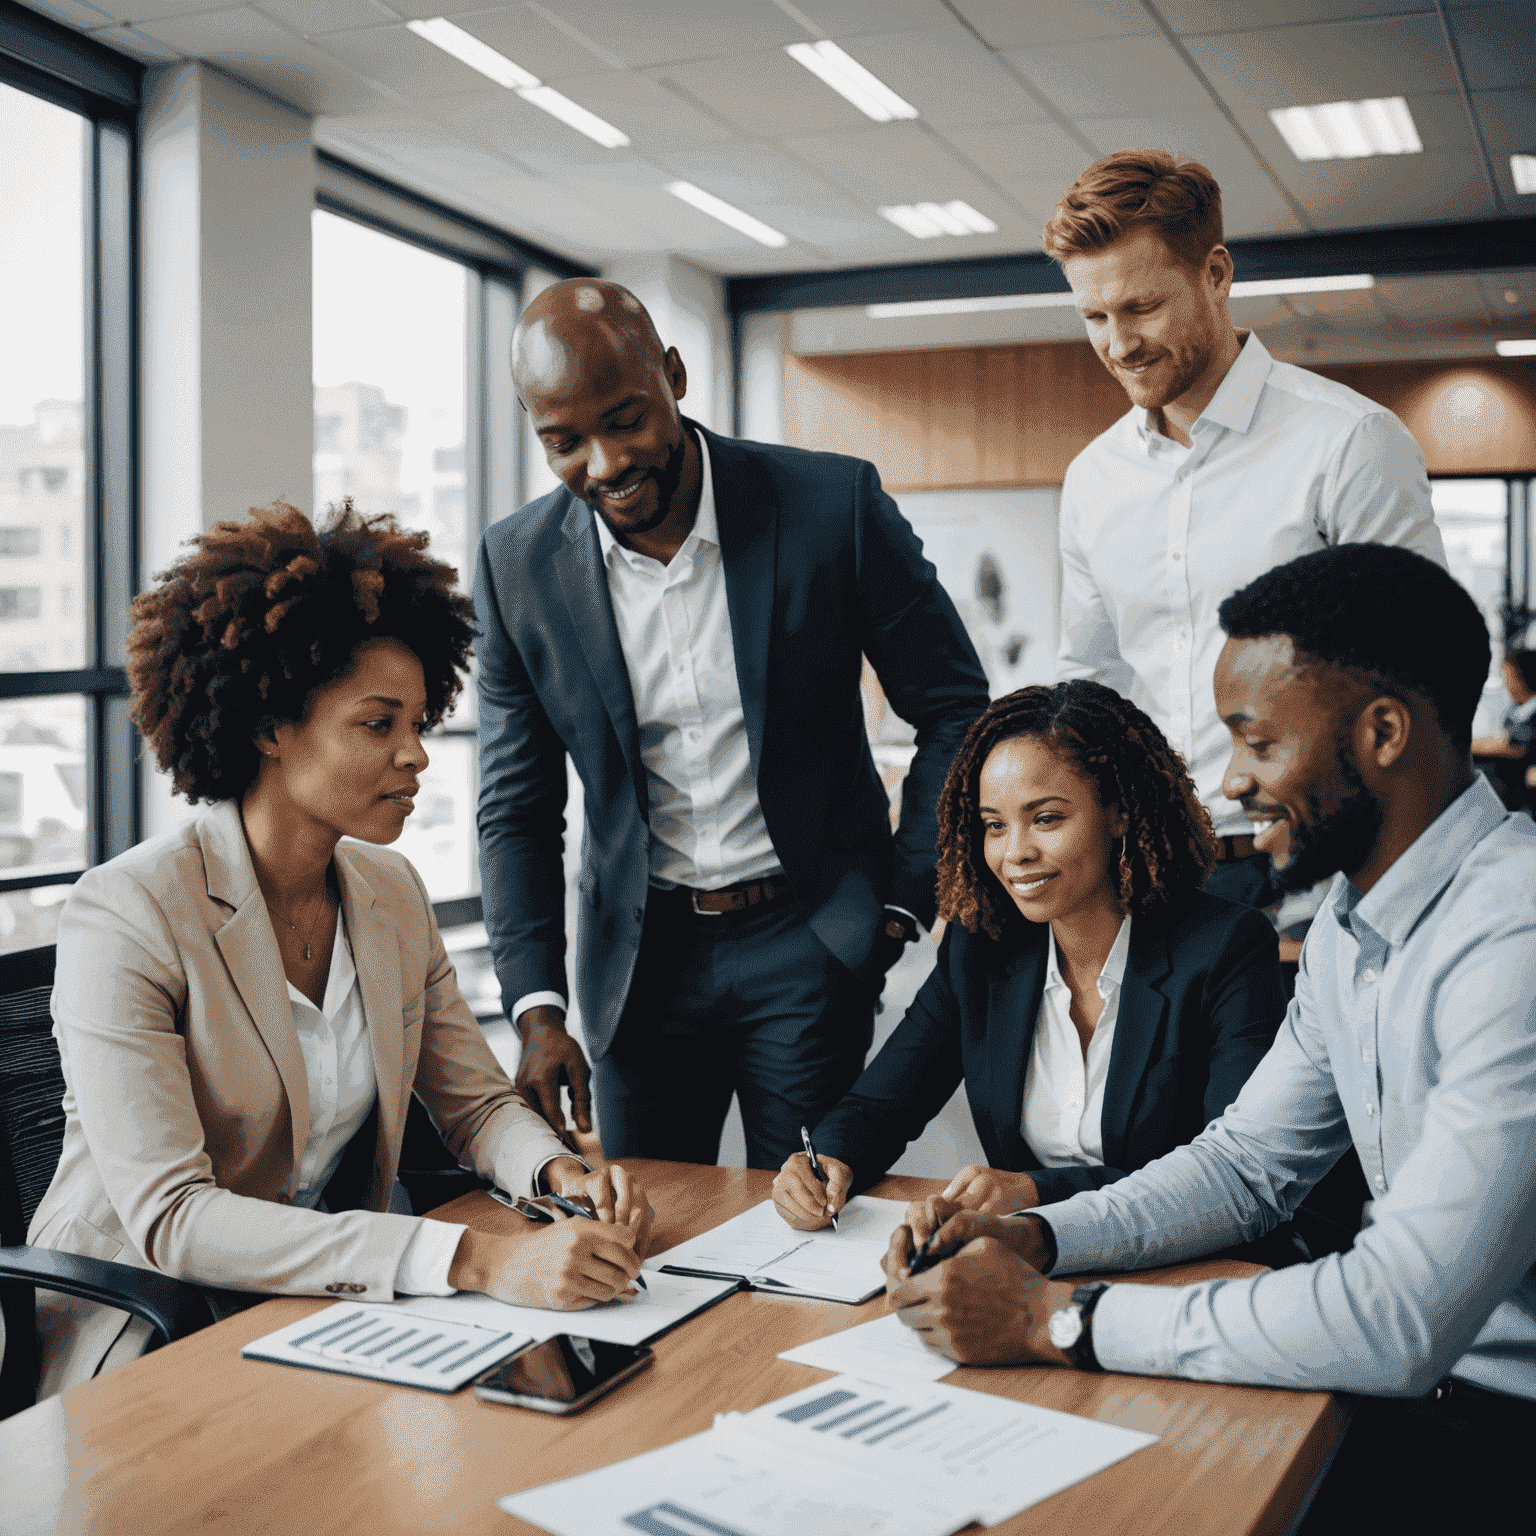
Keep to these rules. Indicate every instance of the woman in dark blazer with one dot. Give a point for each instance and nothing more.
(1099, 1007)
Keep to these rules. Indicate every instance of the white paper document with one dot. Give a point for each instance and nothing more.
(385, 1344)
(761, 1248)
(634, 1320)
(884, 1350)
(706, 1486)
(991, 1455)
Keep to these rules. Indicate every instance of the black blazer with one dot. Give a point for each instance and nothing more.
(821, 570)
(1200, 1004)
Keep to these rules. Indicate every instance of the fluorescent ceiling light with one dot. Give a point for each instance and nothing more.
(926, 221)
(870, 94)
(1523, 169)
(1259, 290)
(968, 306)
(495, 66)
(1515, 348)
(727, 213)
(1349, 130)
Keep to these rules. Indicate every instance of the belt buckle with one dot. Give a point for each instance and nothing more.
(698, 911)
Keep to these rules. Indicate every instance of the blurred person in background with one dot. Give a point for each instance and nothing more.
(1509, 759)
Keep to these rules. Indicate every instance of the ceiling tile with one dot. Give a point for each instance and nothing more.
(1508, 120)
(139, 45)
(1428, 298)
(1033, 163)
(1346, 61)
(406, 64)
(314, 18)
(1112, 79)
(72, 13)
(764, 93)
(532, 41)
(848, 18)
(1186, 16)
(1251, 204)
(948, 76)
(654, 116)
(898, 163)
(646, 32)
(1497, 44)
(154, 10)
(1008, 24)
(260, 51)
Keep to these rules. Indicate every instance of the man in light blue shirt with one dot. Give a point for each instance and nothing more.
(1348, 683)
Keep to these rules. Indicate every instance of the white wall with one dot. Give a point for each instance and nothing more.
(762, 377)
(227, 183)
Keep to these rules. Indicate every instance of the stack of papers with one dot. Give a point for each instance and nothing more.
(384, 1344)
(846, 1456)
(884, 1350)
(759, 1249)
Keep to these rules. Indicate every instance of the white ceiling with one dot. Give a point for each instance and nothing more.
(1015, 96)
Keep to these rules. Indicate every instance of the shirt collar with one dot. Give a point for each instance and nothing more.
(1236, 397)
(1394, 905)
(1519, 712)
(1113, 971)
(706, 526)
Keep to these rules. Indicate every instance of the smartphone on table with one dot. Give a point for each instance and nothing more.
(562, 1374)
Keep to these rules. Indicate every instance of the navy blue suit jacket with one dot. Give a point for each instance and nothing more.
(1200, 1004)
(821, 569)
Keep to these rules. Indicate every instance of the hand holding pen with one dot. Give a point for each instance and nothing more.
(809, 1191)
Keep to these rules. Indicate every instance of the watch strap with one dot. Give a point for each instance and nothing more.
(1085, 1298)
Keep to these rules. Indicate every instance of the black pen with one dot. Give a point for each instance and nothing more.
(572, 1209)
(816, 1168)
(920, 1259)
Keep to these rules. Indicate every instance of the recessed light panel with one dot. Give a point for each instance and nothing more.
(1278, 285)
(869, 93)
(468, 49)
(1523, 169)
(967, 306)
(1515, 348)
(727, 213)
(1349, 130)
(927, 221)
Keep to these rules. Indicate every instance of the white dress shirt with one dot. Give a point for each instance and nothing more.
(1155, 536)
(1063, 1090)
(674, 626)
(338, 1070)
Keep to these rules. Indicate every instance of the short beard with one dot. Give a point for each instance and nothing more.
(1338, 840)
(667, 479)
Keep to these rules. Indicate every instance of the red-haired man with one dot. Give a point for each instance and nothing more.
(1228, 464)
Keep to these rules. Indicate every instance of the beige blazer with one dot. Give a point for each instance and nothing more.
(186, 1103)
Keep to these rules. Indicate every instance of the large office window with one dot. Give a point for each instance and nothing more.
(66, 792)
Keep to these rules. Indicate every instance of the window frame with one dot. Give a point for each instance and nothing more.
(57, 65)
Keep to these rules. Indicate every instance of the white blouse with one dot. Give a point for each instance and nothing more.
(1063, 1092)
(338, 1068)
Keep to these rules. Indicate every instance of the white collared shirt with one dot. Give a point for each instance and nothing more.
(1155, 536)
(338, 1071)
(674, 625)
(1063, 1090)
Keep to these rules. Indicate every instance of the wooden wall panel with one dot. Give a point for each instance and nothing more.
(1473, 417)
(956, 416)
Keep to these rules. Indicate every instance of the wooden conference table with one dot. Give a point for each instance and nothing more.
(194, 1439)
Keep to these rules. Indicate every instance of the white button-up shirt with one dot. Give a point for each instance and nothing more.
(1063, 1089)
(338, 1069)
(1155, 536)
(707, 827)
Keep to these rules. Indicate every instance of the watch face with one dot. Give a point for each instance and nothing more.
(1066, 1326)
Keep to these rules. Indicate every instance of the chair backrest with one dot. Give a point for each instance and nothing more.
(31, 1089)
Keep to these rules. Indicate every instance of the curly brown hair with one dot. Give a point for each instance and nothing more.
(238, 634)
(1170, 846)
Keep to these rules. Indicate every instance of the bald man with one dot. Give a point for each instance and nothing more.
(686, 619)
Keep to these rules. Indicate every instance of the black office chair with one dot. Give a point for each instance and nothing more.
(31, 1138)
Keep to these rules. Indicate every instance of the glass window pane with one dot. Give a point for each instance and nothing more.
(1471, 515)
(391, 353)
(42, 341)
(42, 783)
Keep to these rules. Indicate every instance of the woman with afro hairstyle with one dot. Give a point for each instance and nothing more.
(244, 1006)
(1100, 1008)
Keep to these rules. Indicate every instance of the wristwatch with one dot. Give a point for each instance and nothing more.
(1071, 1326)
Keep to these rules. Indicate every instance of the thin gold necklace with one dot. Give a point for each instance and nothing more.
(315, 923)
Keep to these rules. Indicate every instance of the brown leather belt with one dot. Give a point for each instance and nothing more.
(733, 898)
(1229, 849)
